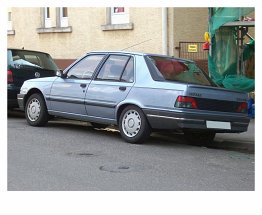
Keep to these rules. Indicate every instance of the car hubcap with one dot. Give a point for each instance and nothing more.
(131, 123)
(33, 110)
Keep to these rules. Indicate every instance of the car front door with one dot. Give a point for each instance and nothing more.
(68, 93)
(110, 87)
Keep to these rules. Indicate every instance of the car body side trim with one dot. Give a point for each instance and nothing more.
(100, 104)
(175, 118)
(66, 100)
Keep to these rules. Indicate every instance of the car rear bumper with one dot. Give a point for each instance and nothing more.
(188, 120)
(12, 96)
(20, 100)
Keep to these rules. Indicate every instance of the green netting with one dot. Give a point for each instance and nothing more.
(223, 58)
(221, 15)
(241, 83)
(249, 50)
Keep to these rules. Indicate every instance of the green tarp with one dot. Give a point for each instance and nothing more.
(223, 55)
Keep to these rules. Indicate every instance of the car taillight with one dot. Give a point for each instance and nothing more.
(242, 108)
(185, 102)
(10, 77)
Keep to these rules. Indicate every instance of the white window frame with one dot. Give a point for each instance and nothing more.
(63, 19)
(48, 21)
(119, 17)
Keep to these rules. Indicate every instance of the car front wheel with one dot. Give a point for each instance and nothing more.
(133, 125)
(36, 111)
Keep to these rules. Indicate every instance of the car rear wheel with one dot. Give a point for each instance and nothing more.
(36, 111)
(133, 125)
(199, 138)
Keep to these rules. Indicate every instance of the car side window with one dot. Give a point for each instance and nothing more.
(85, 68)
(113, 68)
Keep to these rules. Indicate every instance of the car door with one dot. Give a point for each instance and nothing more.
(68, 92)
(110, 87)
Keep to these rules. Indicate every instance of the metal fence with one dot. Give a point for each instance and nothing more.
(194, 51)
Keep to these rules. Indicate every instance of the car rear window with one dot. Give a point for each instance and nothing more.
(33, 59)
(172, 69)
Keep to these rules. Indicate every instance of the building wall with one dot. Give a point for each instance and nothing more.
(86, 34)
(184, 24)
(190, 25)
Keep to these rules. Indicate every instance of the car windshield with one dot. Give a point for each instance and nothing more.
(181, 71)
(33, 59)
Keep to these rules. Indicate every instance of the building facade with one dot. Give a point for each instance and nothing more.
(68, 33)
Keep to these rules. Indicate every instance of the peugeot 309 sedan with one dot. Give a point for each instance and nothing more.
(139, 93)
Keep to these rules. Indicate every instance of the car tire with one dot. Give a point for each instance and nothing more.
(199, 138)
(36, 111)
(133, 125)
(98, 125)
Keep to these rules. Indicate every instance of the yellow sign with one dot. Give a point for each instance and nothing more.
(192, 48)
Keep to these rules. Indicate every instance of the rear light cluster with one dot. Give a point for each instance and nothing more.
(242, 108)
(10, 77)
(190, 102)
(185, 102)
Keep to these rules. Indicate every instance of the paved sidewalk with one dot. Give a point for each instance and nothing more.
(243, 141)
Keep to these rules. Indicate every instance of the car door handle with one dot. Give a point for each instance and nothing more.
(122, 88)
(83, 85)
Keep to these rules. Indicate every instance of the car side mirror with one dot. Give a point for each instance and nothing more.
(59, 73)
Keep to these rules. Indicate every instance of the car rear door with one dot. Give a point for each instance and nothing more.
(111, 86)
(68, 93)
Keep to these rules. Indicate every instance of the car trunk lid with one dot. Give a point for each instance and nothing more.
(216, 98)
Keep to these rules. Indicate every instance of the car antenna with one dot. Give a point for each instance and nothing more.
(135, 45)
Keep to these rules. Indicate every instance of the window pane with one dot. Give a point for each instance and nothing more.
(113, 68)
(119, 9)
(181, 71)
(85, 68)
(128, 75)
(47, 12)
(9, 16)
(64, 12)
(33, 59)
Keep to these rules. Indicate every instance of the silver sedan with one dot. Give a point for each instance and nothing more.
(138, 92)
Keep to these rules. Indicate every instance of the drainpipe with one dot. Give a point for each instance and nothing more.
(164, 30)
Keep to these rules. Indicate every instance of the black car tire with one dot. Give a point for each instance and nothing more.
(133, 125)
(36, 111)
(98, 125)
(199, 138)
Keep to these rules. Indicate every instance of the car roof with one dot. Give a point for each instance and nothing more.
(137, 53)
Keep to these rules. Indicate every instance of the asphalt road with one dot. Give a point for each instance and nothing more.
(71, 155)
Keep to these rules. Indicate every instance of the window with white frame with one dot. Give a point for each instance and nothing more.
(63, 17)
(48, 21)
(119, 15)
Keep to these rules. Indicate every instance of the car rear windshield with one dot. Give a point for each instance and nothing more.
(33, 59)
(172, 69)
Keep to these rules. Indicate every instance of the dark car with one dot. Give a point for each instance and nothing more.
(23, 65)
